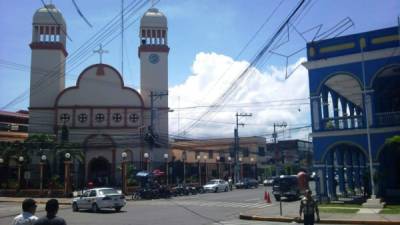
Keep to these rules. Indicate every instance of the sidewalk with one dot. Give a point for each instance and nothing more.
(61, 201)
(270, 214)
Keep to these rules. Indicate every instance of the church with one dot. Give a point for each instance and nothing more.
(108, 119)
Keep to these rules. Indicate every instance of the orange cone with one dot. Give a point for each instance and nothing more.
(268, 198)
(265, 196)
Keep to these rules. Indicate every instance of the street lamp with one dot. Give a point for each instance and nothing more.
(241, 168)
(205, 164)
(67, 163)
(252, 166)
(166, 167)
(124, 155)
(43, 159)
(146, 158)
(218, 169)
(230, 165)
(184, 166)
(1, 166)
(199, 168)
(20, 160)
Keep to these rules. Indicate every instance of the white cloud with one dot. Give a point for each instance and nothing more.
(211, 76)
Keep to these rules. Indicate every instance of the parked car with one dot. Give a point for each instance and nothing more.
(216, 185)
(247, 183)
(99, 198)
(269, 181)
(286, 186)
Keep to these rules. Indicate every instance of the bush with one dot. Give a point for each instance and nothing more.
(55, 182)
(12, 184)
(132, 182)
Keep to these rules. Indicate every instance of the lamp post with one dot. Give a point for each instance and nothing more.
(205, 164)
(124, 155)
(20, 161)
(1, 166)
(67, 163)
(218, 170)
(184, 166)
(252, 167)
(43, 159)
(230, 166)
(166, 168)
(199, 168)
(241, 168)
(146, 158)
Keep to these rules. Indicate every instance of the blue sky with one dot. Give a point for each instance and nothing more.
(195, 26)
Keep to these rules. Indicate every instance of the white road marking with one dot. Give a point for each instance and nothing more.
(258, 205)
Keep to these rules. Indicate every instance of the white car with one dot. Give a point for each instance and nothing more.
(216, 185)
(99, 198)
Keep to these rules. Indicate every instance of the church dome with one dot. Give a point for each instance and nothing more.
(48, 15)
(153, 18)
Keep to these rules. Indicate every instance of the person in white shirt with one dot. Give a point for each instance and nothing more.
(27, 217)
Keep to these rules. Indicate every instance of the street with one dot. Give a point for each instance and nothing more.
(210, 208)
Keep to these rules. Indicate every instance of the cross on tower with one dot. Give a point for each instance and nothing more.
(100, 51)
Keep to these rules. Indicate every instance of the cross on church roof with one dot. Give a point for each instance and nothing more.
(100, 51)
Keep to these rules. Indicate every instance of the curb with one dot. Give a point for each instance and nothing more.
(323, 221)
(37, 201)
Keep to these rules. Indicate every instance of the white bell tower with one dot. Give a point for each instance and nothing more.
(47, 67)
(153, 54)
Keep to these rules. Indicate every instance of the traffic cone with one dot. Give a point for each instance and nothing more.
(268, 198)
(265, 196)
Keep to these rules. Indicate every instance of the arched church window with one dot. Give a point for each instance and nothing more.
(133, 117)
(117, 117)
(82, 117)
(64, 117)
(99, 117)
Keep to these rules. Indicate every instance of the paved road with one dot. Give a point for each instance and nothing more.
(211, 208)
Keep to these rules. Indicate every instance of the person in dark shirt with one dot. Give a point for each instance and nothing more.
(308, 206)
(51, 218)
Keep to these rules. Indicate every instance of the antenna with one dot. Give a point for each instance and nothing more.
(122, 37)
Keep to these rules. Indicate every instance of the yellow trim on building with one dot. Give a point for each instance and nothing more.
(335, 48)
(384, 39)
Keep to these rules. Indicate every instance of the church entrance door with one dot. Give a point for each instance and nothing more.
(99, 171)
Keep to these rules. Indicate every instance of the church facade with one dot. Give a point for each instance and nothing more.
(100, 113)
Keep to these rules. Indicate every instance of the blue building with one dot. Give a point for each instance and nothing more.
(354, 81)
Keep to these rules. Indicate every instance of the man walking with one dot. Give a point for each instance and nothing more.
(308, 206)
(51, 218)
(28, 211)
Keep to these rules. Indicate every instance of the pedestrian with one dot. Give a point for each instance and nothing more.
(308, 206)
(27, 217)
(230, 184)
(51, 218)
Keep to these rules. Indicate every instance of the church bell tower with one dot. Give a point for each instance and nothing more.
(47, 67)
(153, 54)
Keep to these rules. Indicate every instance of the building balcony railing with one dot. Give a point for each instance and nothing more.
(342, 123)
(387, 119)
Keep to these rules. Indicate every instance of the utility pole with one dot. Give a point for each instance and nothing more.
(278, 156)
(151, 137)
(237, 145)
(122, 37)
